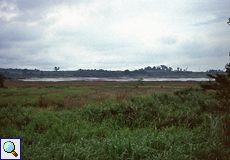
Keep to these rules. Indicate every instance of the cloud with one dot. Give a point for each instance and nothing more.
(220, 19)
(113, 35)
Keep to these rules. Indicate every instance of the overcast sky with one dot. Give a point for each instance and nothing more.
(114, 34)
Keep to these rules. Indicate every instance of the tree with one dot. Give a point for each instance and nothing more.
(148, 68)
(24, 71)
(221, 83)
(139, 82)
(2, 80)
(126, 71)
(164, 67)
(42, 74)
(56, 68)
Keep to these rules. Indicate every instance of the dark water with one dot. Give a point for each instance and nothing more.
(111, 79)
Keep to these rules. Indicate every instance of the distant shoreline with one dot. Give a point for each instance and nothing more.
(144, 73)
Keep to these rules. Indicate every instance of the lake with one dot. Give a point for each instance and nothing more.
(111, 79)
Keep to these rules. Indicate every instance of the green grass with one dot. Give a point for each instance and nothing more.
(184, 124)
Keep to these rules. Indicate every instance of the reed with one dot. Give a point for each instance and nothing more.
(116, 123)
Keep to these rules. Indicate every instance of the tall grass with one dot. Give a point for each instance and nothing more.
(186, 124)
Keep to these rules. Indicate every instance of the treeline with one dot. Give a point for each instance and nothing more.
(155, 71)
(215, 71)
(161, 67)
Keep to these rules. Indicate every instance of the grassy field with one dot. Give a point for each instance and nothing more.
(115, 120)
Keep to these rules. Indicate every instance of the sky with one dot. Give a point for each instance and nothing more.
(114, 34)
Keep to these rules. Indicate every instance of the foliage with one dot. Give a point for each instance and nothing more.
(187, 124)
(221, 83)
(56, 68)
(2, 79)
(139, 82)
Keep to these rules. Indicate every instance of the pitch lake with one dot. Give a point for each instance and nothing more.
(111, 79)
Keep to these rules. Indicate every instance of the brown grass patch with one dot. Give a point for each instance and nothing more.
(122, 94)
(42, 102)
(78, 97)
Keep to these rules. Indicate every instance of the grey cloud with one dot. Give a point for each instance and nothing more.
(38, 4)
(29, 17)
(4, 44)
(216, 7)
(44, 4)
(221, 19)
(5, 9)
(94, 39)
(19, 34)
(31, 11)
(102, 44)
(31, 40)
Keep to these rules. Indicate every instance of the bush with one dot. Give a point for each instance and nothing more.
(221, 84)
(2, 79)
(187, 90)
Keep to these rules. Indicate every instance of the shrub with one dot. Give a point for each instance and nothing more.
(221, 84)
(2, 79)
(187, 90)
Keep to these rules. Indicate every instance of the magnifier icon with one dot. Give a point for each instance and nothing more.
(9, 147)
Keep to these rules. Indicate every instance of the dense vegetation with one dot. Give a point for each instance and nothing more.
(160, 71)
(2, 80)
(221, 84)
(184, 124)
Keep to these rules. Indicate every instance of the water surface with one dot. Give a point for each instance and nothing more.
(111, 79)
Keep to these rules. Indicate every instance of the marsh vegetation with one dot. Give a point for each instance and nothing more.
(115, 120)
